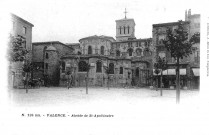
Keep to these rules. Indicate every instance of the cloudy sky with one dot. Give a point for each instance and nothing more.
(69, 20)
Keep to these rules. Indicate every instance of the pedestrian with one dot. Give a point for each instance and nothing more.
(24, 81)
(46, 80)
(69, 81)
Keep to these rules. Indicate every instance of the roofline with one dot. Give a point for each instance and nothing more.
(72, 44)
(135, 40)
(195, 15)
(125, 19)
(47, 42)
(168, 24)
(96, 37)
(21, 19)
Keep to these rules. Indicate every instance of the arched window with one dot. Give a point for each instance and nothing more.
(128, 29)
(146, 53)
(99, 67)
(117, 53)
(137, 72)
(120, 29)
(102, 50)
(121, 70)
(130, 51)
(82, 66)
(124, 30)
(47, 55)
(89, 50)
(138, 52)
(111, 67)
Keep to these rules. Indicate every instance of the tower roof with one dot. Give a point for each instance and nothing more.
(125, 20)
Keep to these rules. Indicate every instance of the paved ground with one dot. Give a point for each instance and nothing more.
(136, 111)
(58, 96)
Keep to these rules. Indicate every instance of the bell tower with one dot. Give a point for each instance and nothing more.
(125, 29)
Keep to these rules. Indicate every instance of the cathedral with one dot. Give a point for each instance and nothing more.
(128, 59)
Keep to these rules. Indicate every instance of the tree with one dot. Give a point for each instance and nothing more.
(108, 71)
(179, 46)
(160, 66)
(27, 68)
(16, 51)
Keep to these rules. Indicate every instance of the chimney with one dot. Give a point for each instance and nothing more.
(189, 13)
(186, 17)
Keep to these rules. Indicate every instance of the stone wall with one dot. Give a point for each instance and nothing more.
(96, 44)
(38, 50)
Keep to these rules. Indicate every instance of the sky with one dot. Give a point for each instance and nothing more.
(68, 21)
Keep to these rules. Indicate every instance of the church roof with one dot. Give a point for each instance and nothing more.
(101, 37)
(73, 44)
(51, 42)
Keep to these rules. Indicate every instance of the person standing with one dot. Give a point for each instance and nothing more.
(46, 80)
(69, 81)
(24, 81)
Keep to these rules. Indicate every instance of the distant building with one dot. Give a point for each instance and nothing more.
(23, 28)
(189, 66)
(46, 59)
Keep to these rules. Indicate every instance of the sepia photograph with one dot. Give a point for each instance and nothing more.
(104, 67)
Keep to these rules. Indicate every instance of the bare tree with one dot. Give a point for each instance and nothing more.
(179, 46)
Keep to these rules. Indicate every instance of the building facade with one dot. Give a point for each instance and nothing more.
(46, 59)
(129, 59)
(189, 66)
(23, 29)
